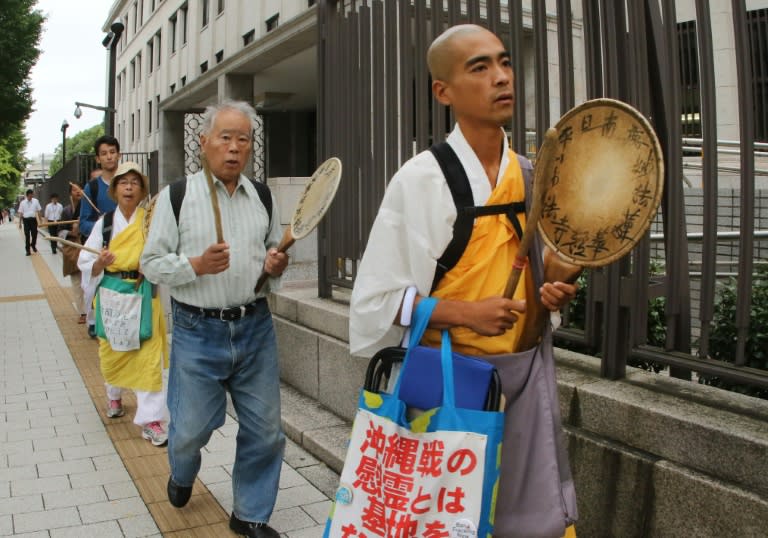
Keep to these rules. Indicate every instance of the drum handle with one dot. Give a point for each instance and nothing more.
(546, 154)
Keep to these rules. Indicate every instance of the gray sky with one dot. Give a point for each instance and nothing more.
(72, 67)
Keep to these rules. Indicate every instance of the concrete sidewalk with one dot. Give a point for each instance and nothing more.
(65, 470)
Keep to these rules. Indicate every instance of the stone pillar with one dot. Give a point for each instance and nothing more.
(238, 88)
(171, 153)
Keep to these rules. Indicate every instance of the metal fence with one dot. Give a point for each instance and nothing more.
(78, 170)
(375, 111)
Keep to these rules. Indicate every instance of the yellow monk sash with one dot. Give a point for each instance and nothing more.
(140, 369)
(484, 268)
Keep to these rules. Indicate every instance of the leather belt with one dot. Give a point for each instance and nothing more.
(224, 314)
(132, 275)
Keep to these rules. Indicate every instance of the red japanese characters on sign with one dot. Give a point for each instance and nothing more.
(409, 485)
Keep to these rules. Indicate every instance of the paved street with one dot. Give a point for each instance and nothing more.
(66, 470)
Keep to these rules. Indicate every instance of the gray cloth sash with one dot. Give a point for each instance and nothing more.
(536, 495)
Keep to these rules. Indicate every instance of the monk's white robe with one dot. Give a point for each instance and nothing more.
(415, 221)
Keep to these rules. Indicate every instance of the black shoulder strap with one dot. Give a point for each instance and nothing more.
(178, 189)
(93, 187)
(466, 211)
(106, 230)
(265, 196)
(461, 192)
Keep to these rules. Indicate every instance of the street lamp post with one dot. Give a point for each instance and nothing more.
(106, 109)
(64, 126)
(111, 43)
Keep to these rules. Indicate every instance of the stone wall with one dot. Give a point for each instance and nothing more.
(651, 455)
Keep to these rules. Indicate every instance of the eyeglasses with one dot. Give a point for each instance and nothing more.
(125, 181)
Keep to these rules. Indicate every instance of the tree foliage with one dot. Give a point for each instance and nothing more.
(10, 178)
(16, 142)
(20, 29)
(82, 142)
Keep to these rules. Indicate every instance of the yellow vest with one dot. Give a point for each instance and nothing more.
(484, 269)
(139, 369)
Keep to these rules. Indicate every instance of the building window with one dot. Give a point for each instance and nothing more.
(152, 6)
(219, 56)
(133, 127)
(203, 67)
(173, 89)
(205, 4)
(135, 16)
(757, 29)
(248, 37)
(133, 73)
(141, 13)
(272, 22)
(118, 88)
(690, 100)
(185, 15)
(138, 69)
(311, 3)
(158, 46)
(172, 23)
(149, 116)
(183, 81)
(157, 111)
(150, 55)
(220, 7)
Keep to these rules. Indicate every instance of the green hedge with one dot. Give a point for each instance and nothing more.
(656, 326)
(722, 338)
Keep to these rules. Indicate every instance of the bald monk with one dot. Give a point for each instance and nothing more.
(472, 74)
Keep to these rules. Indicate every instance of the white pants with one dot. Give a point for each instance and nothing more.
(150, 406)
(90, 315)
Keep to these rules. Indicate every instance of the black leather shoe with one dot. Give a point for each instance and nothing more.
(253, 530)
(178, 495)
(92, 331)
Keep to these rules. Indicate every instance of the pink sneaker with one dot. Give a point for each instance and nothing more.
(115, 409)
(155, 433)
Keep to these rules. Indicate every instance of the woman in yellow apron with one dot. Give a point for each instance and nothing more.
(126, 360)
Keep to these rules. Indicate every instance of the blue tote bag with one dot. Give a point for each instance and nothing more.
(436, 475)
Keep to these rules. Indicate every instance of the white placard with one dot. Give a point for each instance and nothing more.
(121, 317)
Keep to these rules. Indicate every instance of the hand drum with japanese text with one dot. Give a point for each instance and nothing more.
(316, 198)
(603, 186)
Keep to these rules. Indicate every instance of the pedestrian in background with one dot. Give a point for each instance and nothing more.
(30, 209)
(52, 214)
(71, 232)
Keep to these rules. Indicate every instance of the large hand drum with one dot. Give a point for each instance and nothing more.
(603, 185)
(314, 202)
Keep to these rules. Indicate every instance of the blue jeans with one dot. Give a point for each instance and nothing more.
(208, 357)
